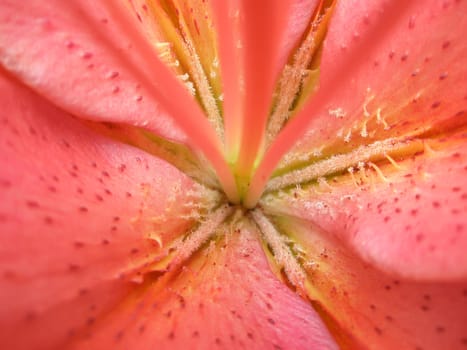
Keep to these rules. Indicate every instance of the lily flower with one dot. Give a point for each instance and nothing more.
(239, 174)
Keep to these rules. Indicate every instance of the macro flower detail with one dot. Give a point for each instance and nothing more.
(281, 174)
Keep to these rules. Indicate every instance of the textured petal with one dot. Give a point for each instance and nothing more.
(89, 58)
(409, 215)
(387, 70)
(78, 212)
(368, 309)
(252, 38)
(300, 14)
(400, 82)
(82, 57)
(225, 296)
(413, 222)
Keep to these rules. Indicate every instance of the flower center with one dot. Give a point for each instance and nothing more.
(184, 35)
(366, 150)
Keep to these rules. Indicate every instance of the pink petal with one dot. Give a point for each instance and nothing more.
(78, 55)
(89, 58)
(299, 19)
(80, 215)
(395, 67)
(411, 220)
(368, 309)
(225, 297)
(413, 224)
(413, 71)
(253, 37)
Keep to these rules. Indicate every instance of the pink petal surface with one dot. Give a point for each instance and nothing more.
(224, 297)
(299, 19)
(80, 215)
(413, 223)
(89, 58)
(368, 309)
(254, 41)
(388, 69)
(415, 77)
(79, 56)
